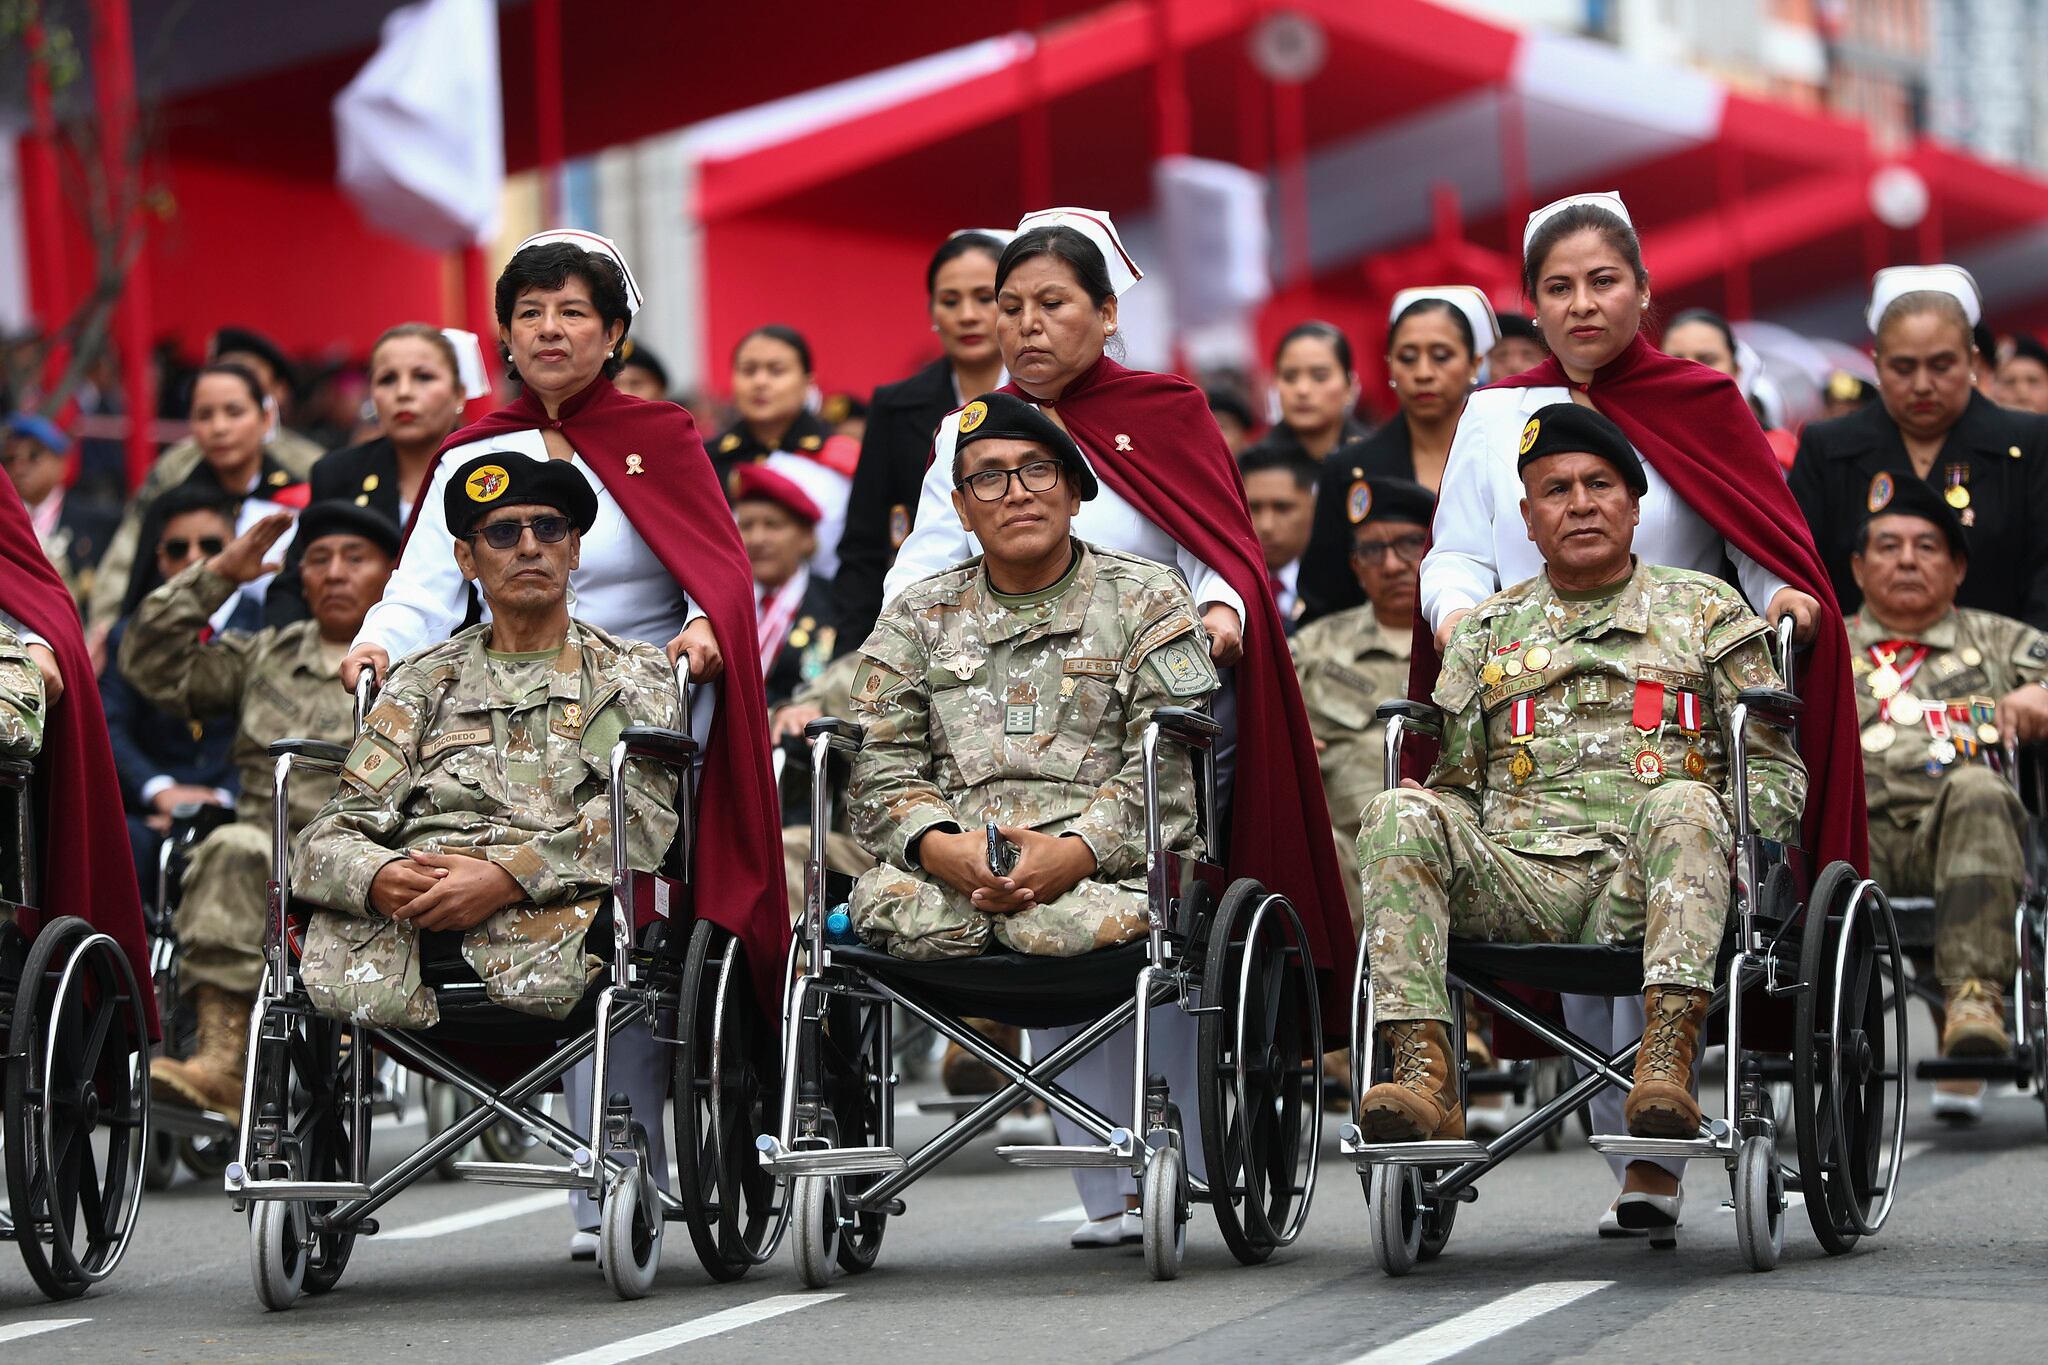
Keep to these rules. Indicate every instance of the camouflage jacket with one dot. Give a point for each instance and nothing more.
(1028, 710)
(278, 683)
(1972, 659)
(1560, 775)
(21, 699)
(1348, 664)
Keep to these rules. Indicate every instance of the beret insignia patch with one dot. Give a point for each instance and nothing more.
(488, 484)
(1529, 434)
(972, 416)
(1358, 506)
(1881, 490)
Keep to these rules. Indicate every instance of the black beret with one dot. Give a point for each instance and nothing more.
(2025, 347)
(1895, 494)
(633, 353)
(232, 339)
(1006, 417)
(1569, 429)
(1390, 499)
(1518, 325)
(340, 517)
(506, 478)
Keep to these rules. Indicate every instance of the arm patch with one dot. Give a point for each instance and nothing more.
(1183, 667)
(374, 763)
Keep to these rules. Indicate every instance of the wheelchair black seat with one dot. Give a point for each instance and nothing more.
(468, 1015)
(1567, 968)
(1014, 988)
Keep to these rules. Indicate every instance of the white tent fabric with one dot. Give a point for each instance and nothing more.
(420, 130)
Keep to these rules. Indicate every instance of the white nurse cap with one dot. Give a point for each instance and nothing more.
(1095, 225)
(1890, 283)
(1467, 299)
(596, 246)
(1604, 199)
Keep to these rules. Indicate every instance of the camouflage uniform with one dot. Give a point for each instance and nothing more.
(502, 757)
(1555, 840)
(1027, 710)
(21, 699)
(832, 693)
(279, 683)
(1349, 663)
(1952, 830)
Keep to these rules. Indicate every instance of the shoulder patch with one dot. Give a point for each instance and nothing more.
(1183, 667)
(1168, 627)
(374, 763)
(1729, 634)
(874, 683)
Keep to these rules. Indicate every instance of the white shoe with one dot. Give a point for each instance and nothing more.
(1639, 1210)
(1116, 1230)
(1958, 1107)
(582, 1246)
(1610, 1225)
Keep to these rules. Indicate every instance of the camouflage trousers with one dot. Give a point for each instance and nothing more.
(1430, 872)
(842, 854)
(922, 920)
(1966, 852)
(221, 914)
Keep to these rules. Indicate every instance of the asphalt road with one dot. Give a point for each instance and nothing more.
(979, 1267)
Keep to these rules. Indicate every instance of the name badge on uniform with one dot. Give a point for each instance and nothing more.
(1020, 719)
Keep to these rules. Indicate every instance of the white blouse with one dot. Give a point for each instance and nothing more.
(1481, 544)
(620, 585)
(938, 541)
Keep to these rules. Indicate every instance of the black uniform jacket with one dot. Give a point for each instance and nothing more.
(1997, 456)
(737, 446)
(810, 636)
(1327, 584)
(902, 420)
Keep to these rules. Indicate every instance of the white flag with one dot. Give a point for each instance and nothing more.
(420, 129)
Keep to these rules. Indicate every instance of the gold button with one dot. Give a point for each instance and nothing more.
(370, 482)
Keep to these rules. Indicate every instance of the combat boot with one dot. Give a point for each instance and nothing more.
(211, 1078)
(1975, 1026)
(963, 1073)
(1421, 1102)
(1661, 1104)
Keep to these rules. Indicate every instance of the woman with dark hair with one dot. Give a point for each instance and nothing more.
(1989, 463)
(1705, 337)
(773, 395)
(1436, 338)
(960, 295)
(662, 563)
(1315, 388)
(1715, 503)
(1169, 492)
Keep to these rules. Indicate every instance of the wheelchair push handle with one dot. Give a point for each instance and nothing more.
(1188, 727)
(1786, 662)
(366, 692)
(1416, 717)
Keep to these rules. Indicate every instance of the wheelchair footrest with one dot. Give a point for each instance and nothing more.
(1122, 1154)
(1448, 1152)
(182, 1121)
(1971, 1068)
(546, 1175)
(951, 1104)
(322, 1190)
(829, 1160)
(1673, 1149)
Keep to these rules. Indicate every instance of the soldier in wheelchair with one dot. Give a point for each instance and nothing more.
(1582, 793)
(1940, 692)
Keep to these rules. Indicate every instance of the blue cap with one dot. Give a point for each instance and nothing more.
(41, 430)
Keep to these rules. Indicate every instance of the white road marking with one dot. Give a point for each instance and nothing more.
(1073, 1213)
(476, 1218)
(1484, 1323)
(696, 1329)
(15, 1331)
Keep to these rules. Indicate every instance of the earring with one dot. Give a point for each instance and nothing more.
(1110, 330)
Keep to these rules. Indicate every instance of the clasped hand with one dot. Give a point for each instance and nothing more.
(1048, 867)
(442, 891)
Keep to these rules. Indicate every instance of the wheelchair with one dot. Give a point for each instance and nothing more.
(1231, 954)
(2026, 1007)
(303, 1155)
(74, 1112)
(1810, 993)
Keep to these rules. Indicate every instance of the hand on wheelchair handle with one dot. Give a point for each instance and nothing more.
(1226, 634)
(701, 645)
(1804, 611)
(2023, 715)
(352, 666)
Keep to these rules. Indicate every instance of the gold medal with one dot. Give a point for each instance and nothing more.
(1970, 656)
(1958, 496)
(1537, 660)
(1988, 733)
(1695, 764)
(1513, 668)
(1491, 674)
(1906, 709)
(1884, 682)
(1648, 766)
(1878, 738)
(1521, 767)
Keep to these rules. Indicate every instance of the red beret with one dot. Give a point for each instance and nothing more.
(758, 481)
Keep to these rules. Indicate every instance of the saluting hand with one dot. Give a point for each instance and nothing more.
(699, 642)
(243, 559)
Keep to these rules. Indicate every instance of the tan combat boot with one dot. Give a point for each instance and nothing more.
(963, 1073)
(1421, 1102)
(211, 1078)
(1661, 1103)
(1975, 1026)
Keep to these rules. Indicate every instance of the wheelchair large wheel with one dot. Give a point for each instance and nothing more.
(1261, 1072)
(305, 1120)
(76, 1107)
(1849, 1059)
(725, 1093)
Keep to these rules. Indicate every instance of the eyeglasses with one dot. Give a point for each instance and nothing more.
(503, 535)
(177, 547)
(993, 485)
(1409, 548)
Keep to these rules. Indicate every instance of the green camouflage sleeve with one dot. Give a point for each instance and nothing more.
(338, 855)
(110, 580)
(1168, 666)
(1777, 777)
(574, 862)
(22, 707)
(162, 656)
(1460, 770)
(891, 796)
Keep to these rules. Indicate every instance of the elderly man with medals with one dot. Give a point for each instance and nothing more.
(1940, 689)
(1582, 790)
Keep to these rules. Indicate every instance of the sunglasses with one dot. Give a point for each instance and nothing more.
(1409, 548)
(993, 485)
(503, 535)
(177, 547)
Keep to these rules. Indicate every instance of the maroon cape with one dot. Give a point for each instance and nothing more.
(676, 504)
(83, 865)
(1694, 428)
(1151, 438)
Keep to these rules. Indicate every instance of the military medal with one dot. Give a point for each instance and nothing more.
(1905, 708)
(1940, 747)
(1537, 659)
(1884, 679)
(1521, 730)
(1689, 723)
(1957, 495)
(1648, 719)
(1513, 668)
(1970, 657)
(1491, 674)
(1878, 738)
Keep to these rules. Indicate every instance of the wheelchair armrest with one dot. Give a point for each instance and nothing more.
(659, 743)
(1188, 727)
(847, 737)
(1418, 717)
(1773, 704)
(312, 750)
